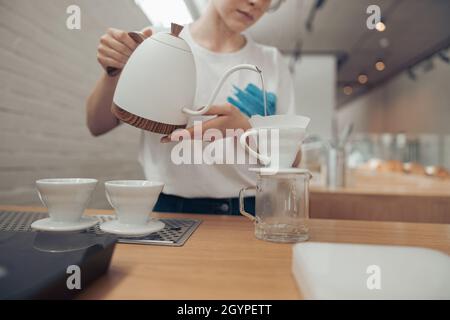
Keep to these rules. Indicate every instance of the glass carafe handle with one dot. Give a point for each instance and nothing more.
(241, 204)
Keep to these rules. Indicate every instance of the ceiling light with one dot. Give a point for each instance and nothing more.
(379, 65)
(380, 26)
(384, 43)
(163, 13)
(348, 90)
(363, 78)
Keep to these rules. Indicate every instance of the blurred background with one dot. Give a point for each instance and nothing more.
(384, 92)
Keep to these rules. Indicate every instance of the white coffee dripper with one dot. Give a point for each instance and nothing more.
(133, 201)
(279, 139)
(66, 200)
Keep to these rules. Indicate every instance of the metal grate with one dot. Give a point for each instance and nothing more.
(175, 233)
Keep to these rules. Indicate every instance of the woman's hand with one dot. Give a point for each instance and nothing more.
(113, 51)
(116, 46)
(228, 117)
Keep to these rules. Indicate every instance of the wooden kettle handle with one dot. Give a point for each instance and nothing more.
(138, 37)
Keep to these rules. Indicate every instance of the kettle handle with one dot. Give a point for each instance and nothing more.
(205, 109)
(138, 37)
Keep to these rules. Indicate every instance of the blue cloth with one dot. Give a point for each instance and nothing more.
(226, 206)
(251, 101)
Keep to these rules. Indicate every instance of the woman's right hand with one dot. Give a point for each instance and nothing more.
(116, 46)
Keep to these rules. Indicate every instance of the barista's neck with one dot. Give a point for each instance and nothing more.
(211, 32)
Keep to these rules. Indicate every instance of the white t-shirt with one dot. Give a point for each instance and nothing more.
(217, 180)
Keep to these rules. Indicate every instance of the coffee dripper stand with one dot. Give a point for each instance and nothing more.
(281, 202)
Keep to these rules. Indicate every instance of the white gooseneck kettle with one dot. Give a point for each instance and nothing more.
(156, 89)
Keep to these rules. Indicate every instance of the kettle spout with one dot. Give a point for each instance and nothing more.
(216, 91)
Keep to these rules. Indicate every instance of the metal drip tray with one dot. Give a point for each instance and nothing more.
(175, 233)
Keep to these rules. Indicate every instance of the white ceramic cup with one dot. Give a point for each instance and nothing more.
(276, 147)
(65, 199)
(133, 200)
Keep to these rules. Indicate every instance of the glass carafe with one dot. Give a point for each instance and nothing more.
(282, 205)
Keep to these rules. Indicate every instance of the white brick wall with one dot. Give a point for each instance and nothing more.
(46, 74)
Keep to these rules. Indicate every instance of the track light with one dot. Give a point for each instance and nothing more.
(380, 65)
(384, 43)
(348, 90)
(363, 78)
(380, 26)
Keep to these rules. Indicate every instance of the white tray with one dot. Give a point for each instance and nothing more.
(342, 271)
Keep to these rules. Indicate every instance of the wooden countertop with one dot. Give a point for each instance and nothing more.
(223, 259)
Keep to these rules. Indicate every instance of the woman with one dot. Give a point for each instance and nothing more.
(218, 43)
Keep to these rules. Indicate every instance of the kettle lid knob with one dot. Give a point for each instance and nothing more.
(175, 29)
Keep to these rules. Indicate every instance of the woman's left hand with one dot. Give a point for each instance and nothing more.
(228, 117)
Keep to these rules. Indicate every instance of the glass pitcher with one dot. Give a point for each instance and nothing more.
(282, 205)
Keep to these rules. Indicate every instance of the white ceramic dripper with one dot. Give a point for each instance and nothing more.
(279, 139)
